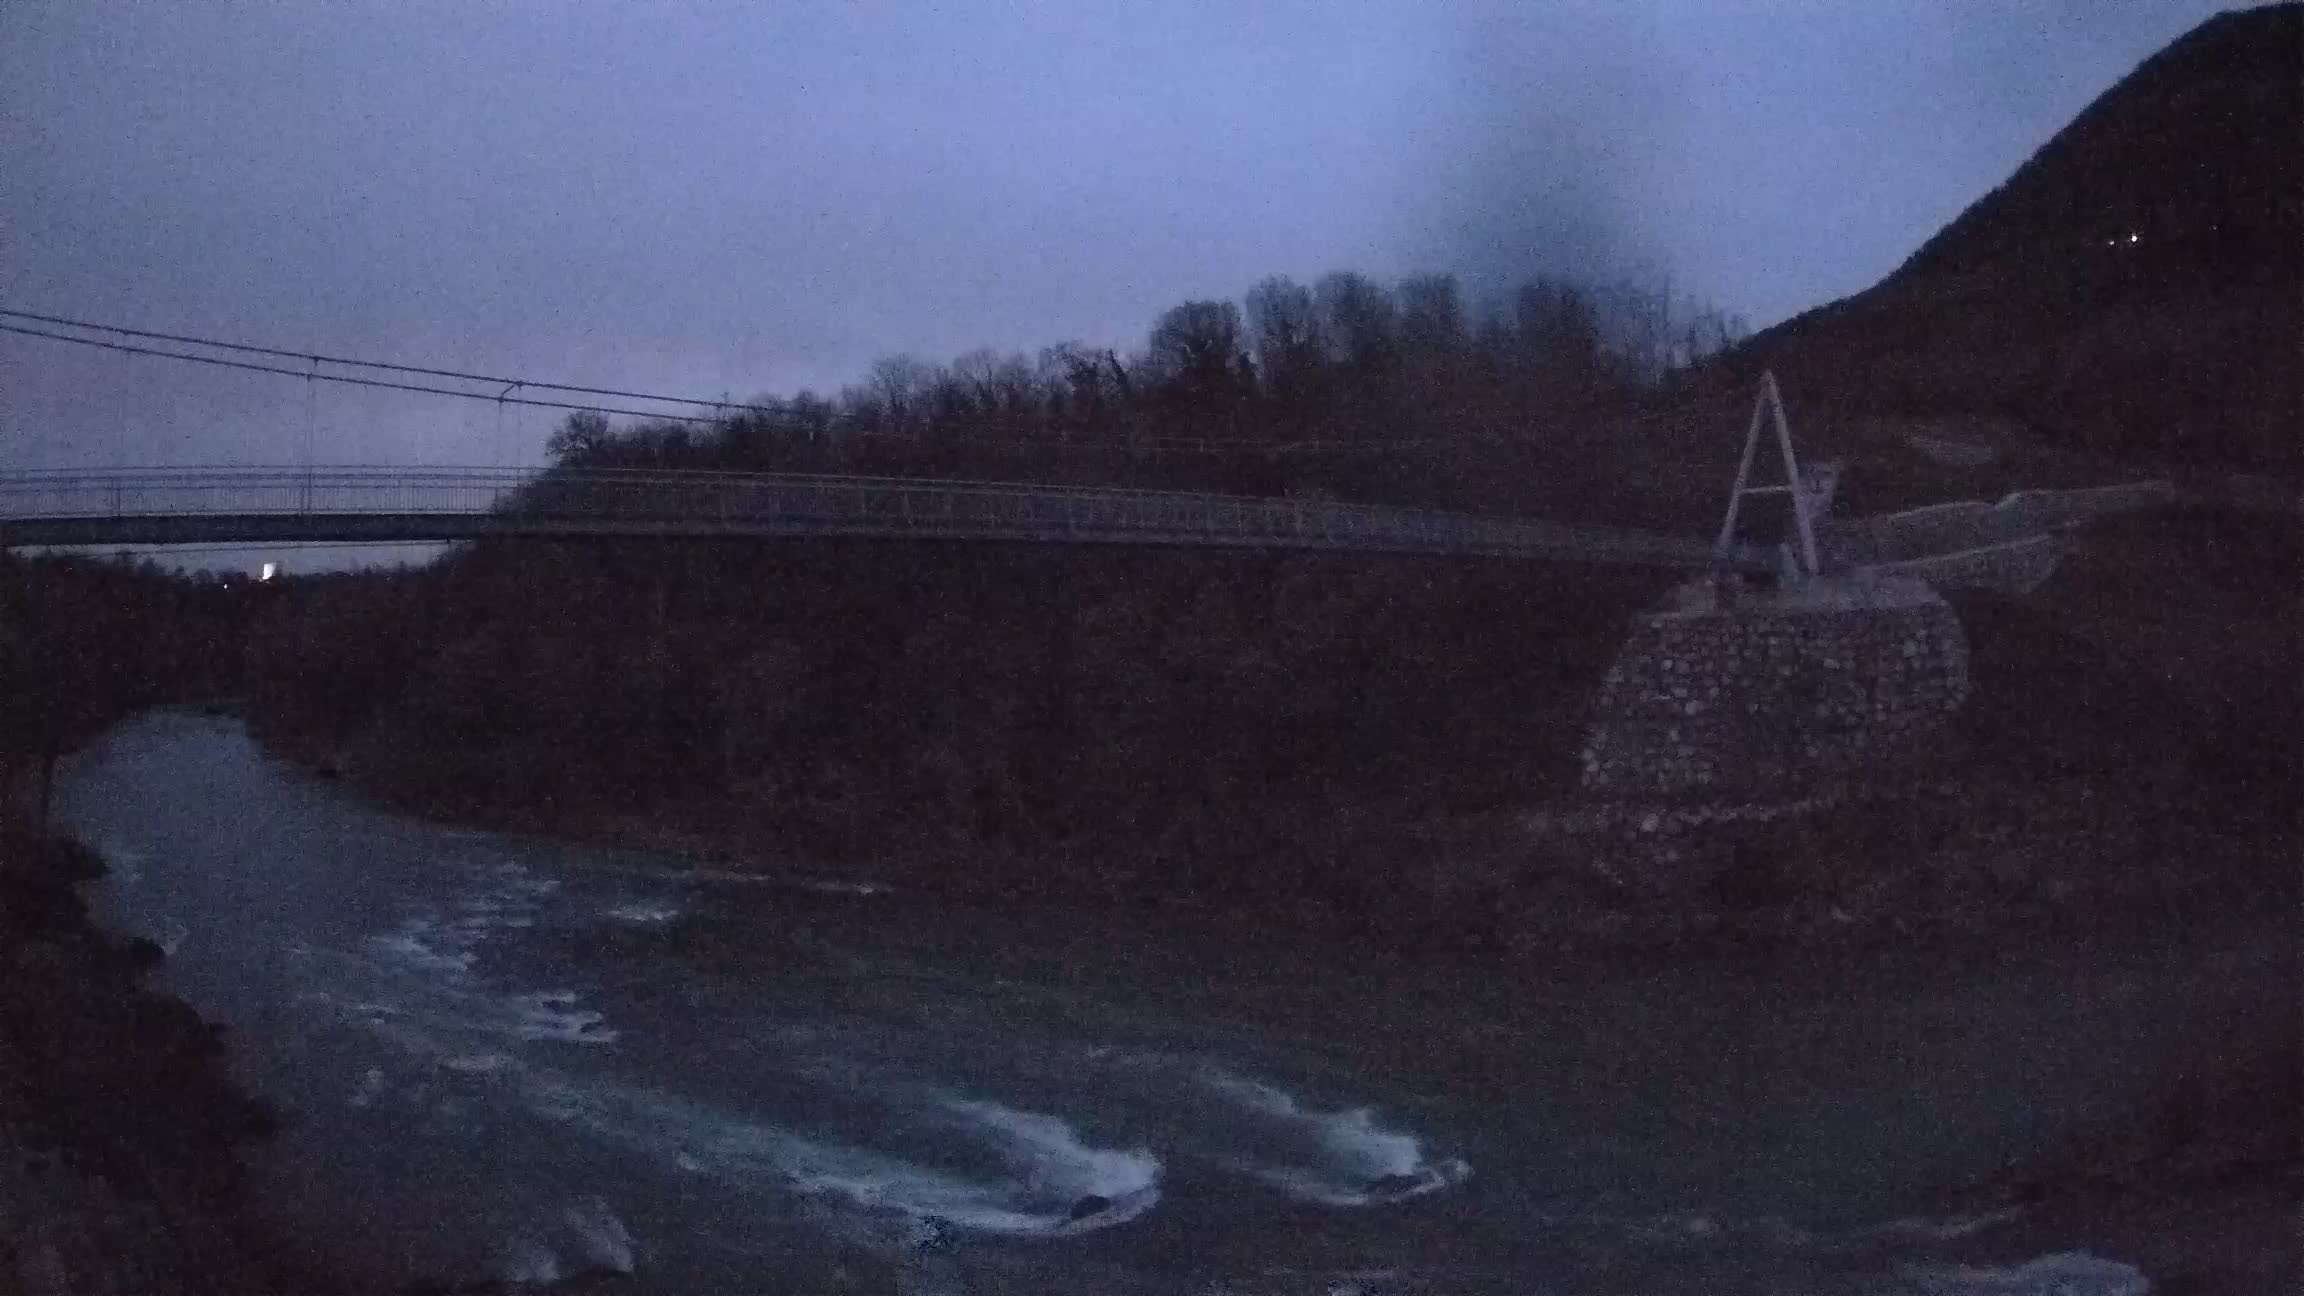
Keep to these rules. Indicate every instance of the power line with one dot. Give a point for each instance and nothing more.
(350, 380)
(423, 371)
(530, 401)
(312, 360)
(500, 398)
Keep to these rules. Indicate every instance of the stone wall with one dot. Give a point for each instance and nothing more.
(1766, 696)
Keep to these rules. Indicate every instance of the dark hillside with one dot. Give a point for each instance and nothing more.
(2135, 289)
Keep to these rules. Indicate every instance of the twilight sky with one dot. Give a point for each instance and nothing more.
(720, 199)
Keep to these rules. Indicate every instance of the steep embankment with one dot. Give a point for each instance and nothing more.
(2132, 290)
(119, 1136)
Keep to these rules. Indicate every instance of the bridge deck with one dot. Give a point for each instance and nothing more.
(257, 506)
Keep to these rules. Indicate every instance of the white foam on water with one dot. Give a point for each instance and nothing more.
(550, 1016)
(480, 926)
(527, 1261)
(754, 1155)
(420, 945)
(605, 1241)
(370, 1011)
(554, 1015)
(1050, 1156)
(645, 913)
(123, 863)
(508, 898)
(1945, 1229)
(490, 861)
(827, 886)
(1346, 1158)
(2066, 1273)
(478, 1063)
(437, 955)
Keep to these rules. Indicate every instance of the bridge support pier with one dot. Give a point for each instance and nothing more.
(1727, 704)
(1726, 692)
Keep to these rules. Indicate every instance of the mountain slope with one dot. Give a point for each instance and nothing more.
(2135, 289)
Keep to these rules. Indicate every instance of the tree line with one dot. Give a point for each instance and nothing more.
(1345, 385)
(84, 641)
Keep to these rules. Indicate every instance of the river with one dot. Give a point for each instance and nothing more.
(511, 1057)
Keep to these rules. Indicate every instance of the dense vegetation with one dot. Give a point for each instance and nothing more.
(83, 642)
(1036, 719)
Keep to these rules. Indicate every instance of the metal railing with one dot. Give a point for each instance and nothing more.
(206, 504)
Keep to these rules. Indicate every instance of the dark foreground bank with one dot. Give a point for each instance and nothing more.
(121, 1138)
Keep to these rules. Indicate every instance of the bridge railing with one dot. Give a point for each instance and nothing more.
(801, 504)
(142, 493)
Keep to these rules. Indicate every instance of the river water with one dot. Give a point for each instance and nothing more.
(508, 1057)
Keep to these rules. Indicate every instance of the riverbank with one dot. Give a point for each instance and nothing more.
(2198, 1175)
(438, 954)
(120, 1138)
(1961, 864)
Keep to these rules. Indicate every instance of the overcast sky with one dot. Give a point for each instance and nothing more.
(725, 199)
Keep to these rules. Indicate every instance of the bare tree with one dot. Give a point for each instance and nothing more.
(1636, 321)
(1084, 385)
(900, 386)
(581, 437)
(1195, 353)
(1359, 325)
(1285, 328)
(1433, 345)
(1559, 330)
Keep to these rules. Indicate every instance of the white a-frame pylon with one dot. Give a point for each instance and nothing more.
(1771, 402)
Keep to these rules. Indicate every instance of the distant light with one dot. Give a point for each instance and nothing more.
(271, 569)
(2135, 237)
